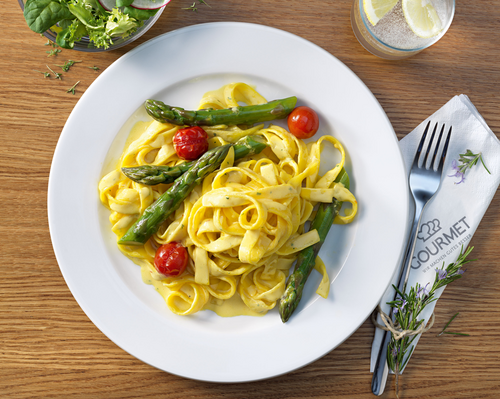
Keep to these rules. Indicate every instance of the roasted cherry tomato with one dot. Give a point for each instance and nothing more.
(171, 259)
(303, 122)
(191, 143)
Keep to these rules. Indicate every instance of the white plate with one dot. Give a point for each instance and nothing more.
(179, 67)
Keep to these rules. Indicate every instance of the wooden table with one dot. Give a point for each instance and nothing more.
(48, 346)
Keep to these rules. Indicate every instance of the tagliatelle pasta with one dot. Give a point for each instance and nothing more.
(243, 226)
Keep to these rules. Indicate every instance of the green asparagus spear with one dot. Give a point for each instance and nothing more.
(156, 174)
(170, 200)
(307, 257)
(246, 115)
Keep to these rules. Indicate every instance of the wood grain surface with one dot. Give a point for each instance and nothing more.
(48, 346)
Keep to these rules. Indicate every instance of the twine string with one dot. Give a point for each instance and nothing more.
(395, 329)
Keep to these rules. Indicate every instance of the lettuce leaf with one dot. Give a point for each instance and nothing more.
(42, 14)
(138, 14)
(120, 24)
(71, 34)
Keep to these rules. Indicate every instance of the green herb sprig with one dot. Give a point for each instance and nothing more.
(51, 43)
(408, 306)
(67, 65)
(443, 331)
(465, 161)
(45, 74)
(72, 89)
(193, 7)
(56, 74)
(468, 160)
(53, 52)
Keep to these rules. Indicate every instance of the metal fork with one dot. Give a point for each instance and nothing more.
(424, 181)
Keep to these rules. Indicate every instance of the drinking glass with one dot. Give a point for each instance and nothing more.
(391, 38)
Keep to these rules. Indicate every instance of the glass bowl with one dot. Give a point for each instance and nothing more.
(85, 45)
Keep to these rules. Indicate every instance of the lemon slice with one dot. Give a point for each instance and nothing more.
(376, 9)
(422, 17)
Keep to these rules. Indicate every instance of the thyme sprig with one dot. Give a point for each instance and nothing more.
(51, 43)
(56, 74)
(193, 7)
(53, 52)
(68, 64)
(72, 89)
(408, 306)
(45, 74)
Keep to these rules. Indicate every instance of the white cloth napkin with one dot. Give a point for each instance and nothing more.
(454, 213)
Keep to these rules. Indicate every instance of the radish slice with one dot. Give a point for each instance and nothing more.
(147, 4)
(108, 5)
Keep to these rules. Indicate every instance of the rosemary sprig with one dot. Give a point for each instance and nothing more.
(68, 64)
(449, 332)
(72, 89)
(447, 324)
(94, 68)
(468, 160)
(407, 308)
(455, 333)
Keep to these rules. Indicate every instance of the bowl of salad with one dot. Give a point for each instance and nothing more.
(92, 25)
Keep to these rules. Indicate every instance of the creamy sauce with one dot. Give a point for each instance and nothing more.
(228, 308)
(233, 306)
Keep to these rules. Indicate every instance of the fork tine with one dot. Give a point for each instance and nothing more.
(429, 145)
(445, 150)
(421, 144)
(436, 150)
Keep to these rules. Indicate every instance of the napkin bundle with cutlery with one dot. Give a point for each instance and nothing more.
(454, 213)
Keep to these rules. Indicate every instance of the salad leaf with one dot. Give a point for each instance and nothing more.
(120, 24)
(42, 14)
(68, 36)
(100, 37)
(65, 23)
(100, 8)
(123, 3)
(140, 15)
(83, 11)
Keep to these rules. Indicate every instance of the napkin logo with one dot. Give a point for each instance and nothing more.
(432, 247)
(429, 229)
